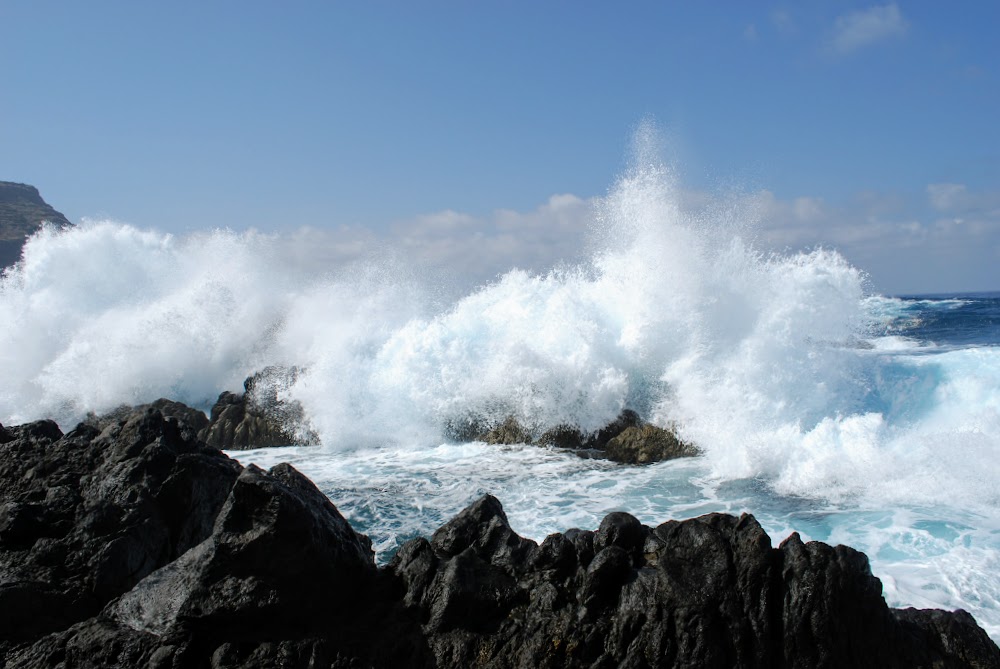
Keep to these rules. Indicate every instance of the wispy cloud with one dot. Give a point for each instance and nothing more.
(866, 27)
(949, 241)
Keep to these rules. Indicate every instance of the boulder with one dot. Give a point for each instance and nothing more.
(643, 444)
(507, 432)
(599, 439)
(259, 417)
(562, 436)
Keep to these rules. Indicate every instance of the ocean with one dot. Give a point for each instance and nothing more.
(819, 405)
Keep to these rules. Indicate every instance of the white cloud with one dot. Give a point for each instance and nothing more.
(866, 27)
(750, 33)
(947, 241)
(950, 241)
(482, 248)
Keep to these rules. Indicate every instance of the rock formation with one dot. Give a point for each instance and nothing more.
(131, 543)
(260, 417)
(626, 439)
(22, 211)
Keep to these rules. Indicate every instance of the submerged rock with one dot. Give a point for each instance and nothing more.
(135, 544)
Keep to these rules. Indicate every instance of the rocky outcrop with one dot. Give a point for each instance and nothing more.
(642, 444)
(706, 592)
(507, 432)
(627, 439)
(86, 516)
(260, 417)
(132, 543)
(140, 546)
(22, 211)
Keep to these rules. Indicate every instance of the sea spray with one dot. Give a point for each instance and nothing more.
(762, 360)
(818, 407)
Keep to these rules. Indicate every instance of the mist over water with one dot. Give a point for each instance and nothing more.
(809, 409)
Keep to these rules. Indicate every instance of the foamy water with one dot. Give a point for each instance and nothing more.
(817, 406)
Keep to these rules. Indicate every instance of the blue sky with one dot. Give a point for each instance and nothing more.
(867, 127)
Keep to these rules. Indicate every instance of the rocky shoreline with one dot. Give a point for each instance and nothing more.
(131, 542)
(261, 418)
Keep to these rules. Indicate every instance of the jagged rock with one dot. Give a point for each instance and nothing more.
(279, 554)
(86, 516)
(190, 420)
(259, 418)
(642, 444)
(137, 545)
(706, 592)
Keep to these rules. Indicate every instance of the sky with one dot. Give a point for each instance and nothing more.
(464, 128)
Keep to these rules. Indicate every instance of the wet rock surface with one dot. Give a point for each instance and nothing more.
(132, 543)
(627, 439)
(259, 417)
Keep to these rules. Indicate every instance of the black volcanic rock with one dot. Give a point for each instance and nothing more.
(22, 211)
(88, 515)
(131, 543)
(258, 418)
(706, 592)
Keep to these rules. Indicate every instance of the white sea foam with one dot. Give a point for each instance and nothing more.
(757, 358)
(779, 367)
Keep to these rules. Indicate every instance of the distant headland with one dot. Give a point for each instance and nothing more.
(22, 212)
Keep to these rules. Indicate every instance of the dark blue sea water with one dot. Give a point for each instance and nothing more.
(960, 319)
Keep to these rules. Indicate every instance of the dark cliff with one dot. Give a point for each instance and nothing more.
(22, 211)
